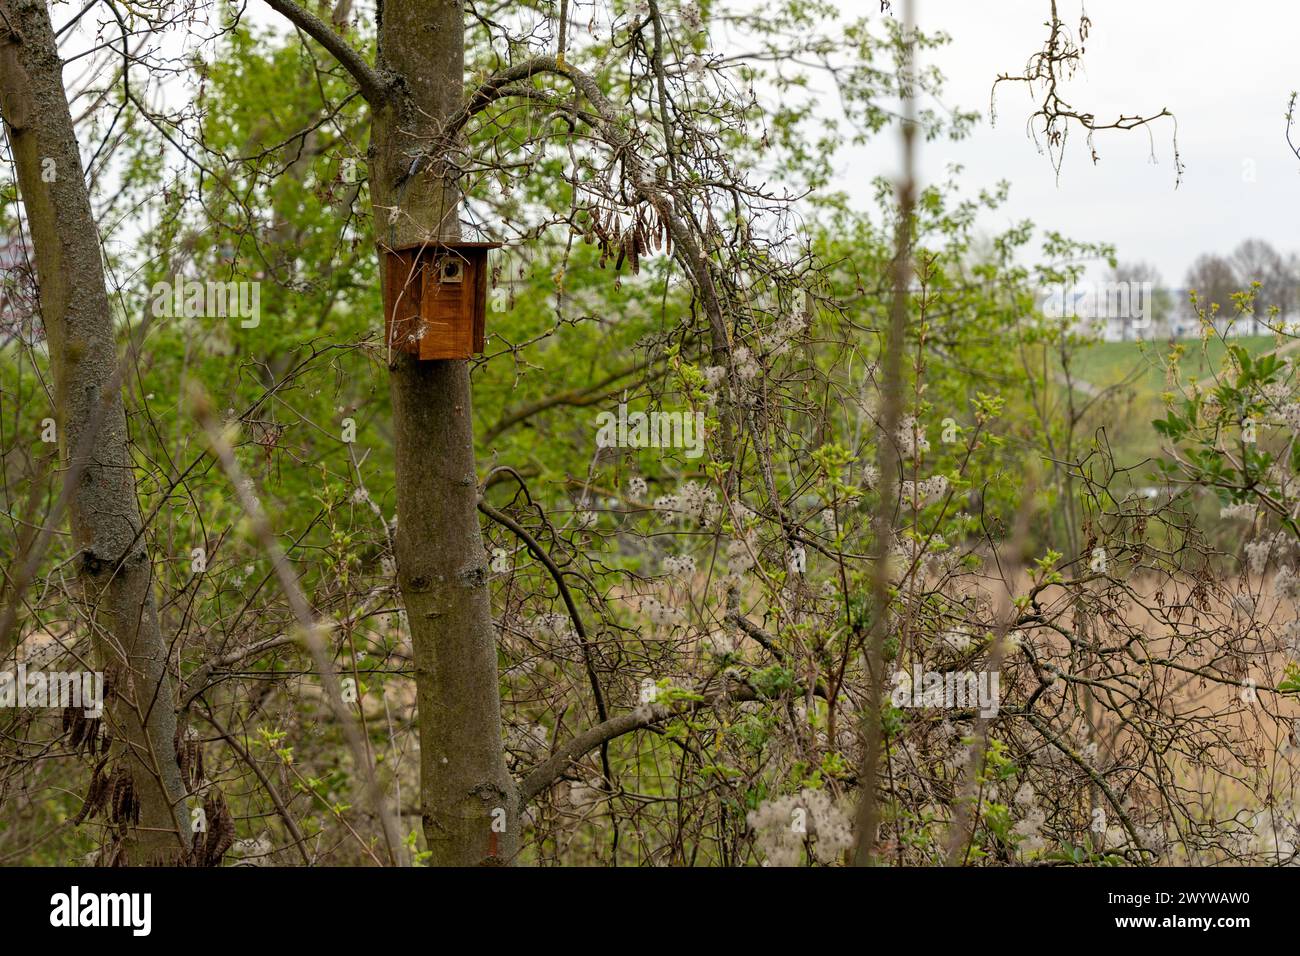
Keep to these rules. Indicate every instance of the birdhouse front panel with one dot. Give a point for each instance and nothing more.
(447, 308)
(403, 290)
(435, 299)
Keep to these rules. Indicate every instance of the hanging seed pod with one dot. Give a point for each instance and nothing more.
(75, 726)
(96, 796)
(221, 828)
(189, 755)
(124, 810)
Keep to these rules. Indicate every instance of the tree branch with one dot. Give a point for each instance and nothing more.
(554, 766)
(687, 250)
(522, 533)
(576, 397)
(299, 841)
(374, 86)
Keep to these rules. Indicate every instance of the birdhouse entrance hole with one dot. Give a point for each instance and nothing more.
(451, 270)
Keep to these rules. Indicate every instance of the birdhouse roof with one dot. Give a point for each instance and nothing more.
(447, 245)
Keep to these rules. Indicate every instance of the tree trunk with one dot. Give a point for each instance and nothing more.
(114, 565)
(468, 799)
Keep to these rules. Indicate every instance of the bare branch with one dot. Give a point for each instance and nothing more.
(373, 85)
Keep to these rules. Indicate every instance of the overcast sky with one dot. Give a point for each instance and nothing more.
(1225, 70)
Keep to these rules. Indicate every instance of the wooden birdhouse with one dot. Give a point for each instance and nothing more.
(435, 299)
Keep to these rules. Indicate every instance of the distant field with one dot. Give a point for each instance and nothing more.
(1108, 363)
(1128, 413)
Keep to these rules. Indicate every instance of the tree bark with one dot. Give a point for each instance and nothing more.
(114, 565)
(469, 803)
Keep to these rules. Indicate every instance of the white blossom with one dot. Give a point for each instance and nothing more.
(958, 640)
(679, 565)
(746, 367)
(697, 501)
(1257, 555)
(553, 625)
(740, 554)
(1030, 830)
(1286, 584)
(660, 613)
(783, 824)
(1245, 509)
(911, 438)
(667, 505)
